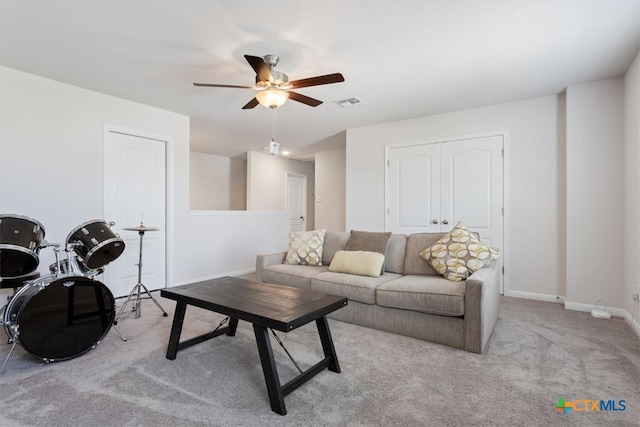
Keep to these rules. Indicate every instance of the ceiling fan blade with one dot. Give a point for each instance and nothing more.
(304, 99)
(317, 81)
(260, 67)
(250, 104)
(216, 85)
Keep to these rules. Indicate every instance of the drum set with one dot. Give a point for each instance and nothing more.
(66, 313)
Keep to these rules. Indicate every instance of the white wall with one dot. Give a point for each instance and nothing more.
(267, 183)
(534, 207)
(217, 182)
(632, 188)
(595, 180)
(51, 169)
(330, 190)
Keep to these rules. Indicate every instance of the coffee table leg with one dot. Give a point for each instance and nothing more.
(276, 396)
(327, 344)
(176, 330)
(233, 325)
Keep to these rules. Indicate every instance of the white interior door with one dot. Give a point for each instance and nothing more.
(135, 192)
(413, 189)
(297, 201)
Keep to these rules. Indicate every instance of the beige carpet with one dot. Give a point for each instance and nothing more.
(538, 353)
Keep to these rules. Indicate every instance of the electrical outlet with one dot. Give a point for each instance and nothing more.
(636, 294)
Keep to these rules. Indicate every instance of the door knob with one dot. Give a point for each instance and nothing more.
(445, 222)
(435, 221)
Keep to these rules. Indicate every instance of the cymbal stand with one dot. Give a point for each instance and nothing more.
(139, 288)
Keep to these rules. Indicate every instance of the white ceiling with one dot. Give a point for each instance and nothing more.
(405, 59)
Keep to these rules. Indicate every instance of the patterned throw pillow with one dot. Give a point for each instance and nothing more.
(305, 247)
(459, 254)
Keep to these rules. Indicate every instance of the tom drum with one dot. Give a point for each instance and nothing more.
(20, 239)
(96, 244)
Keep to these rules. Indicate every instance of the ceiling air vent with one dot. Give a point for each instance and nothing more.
(350, 102)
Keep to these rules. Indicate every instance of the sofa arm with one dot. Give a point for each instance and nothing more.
(266, 260)
(481, 304)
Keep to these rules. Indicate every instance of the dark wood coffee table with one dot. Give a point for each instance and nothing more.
(265, 305)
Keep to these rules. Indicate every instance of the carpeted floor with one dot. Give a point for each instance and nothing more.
(538, 353)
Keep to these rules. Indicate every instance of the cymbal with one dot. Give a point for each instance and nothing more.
(141, 228)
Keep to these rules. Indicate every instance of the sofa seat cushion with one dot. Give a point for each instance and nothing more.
(427, 294)
(298, 276)
(356, 288)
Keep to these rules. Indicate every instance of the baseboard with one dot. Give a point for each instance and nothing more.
(534, 296)
(215, 276)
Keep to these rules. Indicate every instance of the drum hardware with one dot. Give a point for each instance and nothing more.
(139, 288)
(13, 345)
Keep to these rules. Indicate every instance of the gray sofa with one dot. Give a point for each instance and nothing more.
(410, 298)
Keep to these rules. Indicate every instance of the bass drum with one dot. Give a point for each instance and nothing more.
(57, 319)
(97, 245)
(20, 239)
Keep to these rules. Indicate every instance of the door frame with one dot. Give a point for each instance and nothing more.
(505, 187)
(168, 185)
(304, 194)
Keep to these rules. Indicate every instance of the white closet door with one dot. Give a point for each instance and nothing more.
(135, 191)
(430, 187)
(413, 190)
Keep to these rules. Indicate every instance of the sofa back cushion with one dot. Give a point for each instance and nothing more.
(334, 241)
(416, 243)
(394, 257)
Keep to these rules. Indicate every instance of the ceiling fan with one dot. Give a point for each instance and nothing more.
(274, 87)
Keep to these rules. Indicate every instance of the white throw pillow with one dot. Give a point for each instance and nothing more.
(361, 263)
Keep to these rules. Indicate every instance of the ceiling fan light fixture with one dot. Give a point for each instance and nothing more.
(272, 98)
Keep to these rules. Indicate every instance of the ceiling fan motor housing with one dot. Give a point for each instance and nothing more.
(277, 78)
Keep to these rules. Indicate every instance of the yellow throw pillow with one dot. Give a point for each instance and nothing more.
(361, 263)
(459, 254)
(305, 247)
